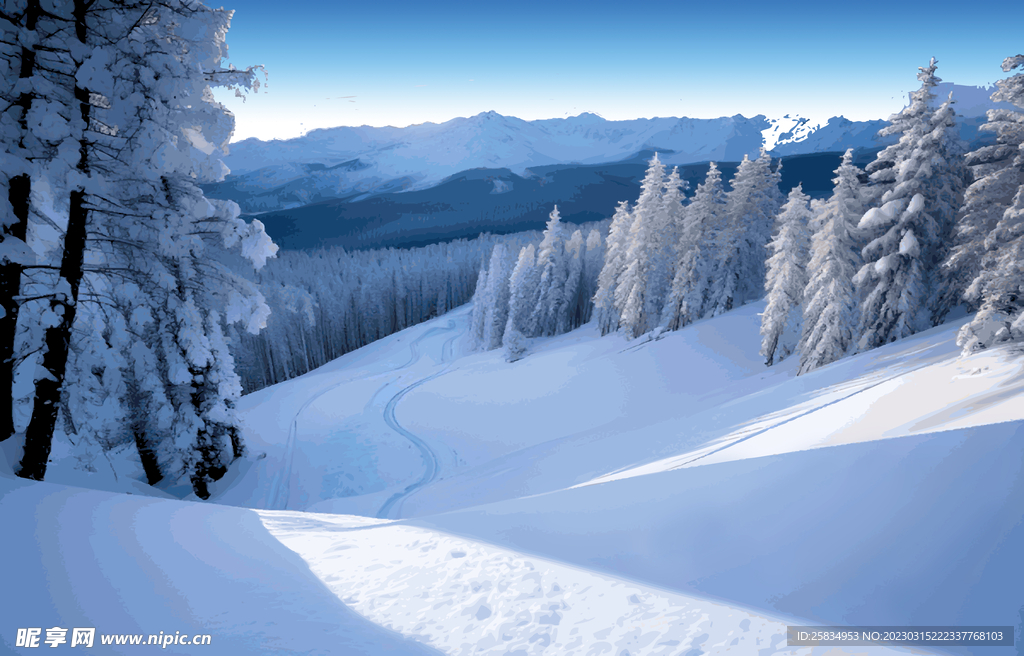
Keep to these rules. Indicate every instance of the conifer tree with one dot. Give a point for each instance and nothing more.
(636, 297)
(670, 230)
(697, 253)
(593, 261)
(605, 309)
(482, 303)
(146, 131)
(571, 315)
(997, 176)
(522, 295)
(786, 279)
(751, 208)
(898, 279)
(908, 124)
(830, 301)
(553, 269)
(499, 271)
(1000, 283)
(19, 41)
(63, 304)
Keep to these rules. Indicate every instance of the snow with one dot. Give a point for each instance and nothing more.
(908, 243)
(131, 564)
(469, 597)
(916, 204)
(876, 217)
(790, 129)
(601, 495)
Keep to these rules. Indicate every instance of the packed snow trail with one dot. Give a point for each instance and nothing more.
(414, 349)
(280, 488)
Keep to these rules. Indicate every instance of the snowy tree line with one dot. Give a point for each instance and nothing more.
(545, 290)
(930, 229)
(669, 263)
(116, 274)
(927, 227)
(327, 302)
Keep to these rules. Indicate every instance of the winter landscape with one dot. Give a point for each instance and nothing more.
(521, 382)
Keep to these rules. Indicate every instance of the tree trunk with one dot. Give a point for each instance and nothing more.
(39, 434)
(10, 287)
(139, 404)
(147, 455)
(18, 193)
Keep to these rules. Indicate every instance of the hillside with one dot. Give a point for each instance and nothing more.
(643, 496)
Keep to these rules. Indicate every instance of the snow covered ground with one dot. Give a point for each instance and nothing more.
(600, 496)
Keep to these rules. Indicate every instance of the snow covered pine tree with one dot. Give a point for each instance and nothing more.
(924, 188)
(697, 254)
(830, 301)
(637, 297)
(145, 131)
(999, 284)
(786, 279)
(605, 310)
(19, 41)
(522, 289)
(750, 212)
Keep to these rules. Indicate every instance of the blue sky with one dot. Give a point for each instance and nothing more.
(401, 63)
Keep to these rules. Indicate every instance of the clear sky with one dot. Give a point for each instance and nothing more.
(398, 63)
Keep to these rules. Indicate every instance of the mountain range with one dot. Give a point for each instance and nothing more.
(366, 186)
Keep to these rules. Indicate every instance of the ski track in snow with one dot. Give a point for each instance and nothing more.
(688, 459)
(429, 456)
(800, 415)
(280, 487)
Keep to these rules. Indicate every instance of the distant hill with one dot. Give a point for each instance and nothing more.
(362, 187)
(500, 201)
(355, 163)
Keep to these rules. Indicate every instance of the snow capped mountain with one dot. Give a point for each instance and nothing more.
(431, 151)
(356, 162)
(836, 134)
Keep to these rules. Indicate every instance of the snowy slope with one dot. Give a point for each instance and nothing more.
(298, 583)
(598, 496)
(706, 457)
(132, 565)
